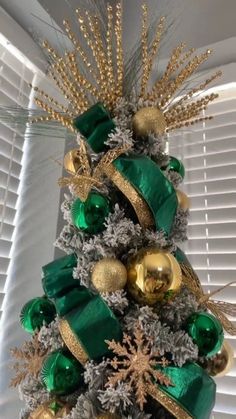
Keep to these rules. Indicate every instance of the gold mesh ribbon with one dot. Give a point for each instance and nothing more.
(170, 404)
(72, 342)
(218, 308)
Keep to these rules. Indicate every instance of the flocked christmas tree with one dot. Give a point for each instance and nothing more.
(123, 329)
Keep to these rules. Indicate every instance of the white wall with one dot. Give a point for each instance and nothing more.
(36, 226)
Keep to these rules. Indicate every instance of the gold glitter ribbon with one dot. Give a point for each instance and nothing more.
(86, 176)
(141, 208)
(170, 404)
(218, 308)
(71, 341)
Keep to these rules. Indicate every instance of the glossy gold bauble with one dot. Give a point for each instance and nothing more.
(109, 275)
(45, 412)
(183, 200)
(148, 120)
(72, 161)
(222, 362)
(152, 275)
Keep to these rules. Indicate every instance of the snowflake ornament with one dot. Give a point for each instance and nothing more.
(29, 360)
(136, 363)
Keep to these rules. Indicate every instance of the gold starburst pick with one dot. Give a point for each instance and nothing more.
(104, 64)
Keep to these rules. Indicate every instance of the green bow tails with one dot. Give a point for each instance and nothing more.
(138, 177)
(86, 320)
(192, 394)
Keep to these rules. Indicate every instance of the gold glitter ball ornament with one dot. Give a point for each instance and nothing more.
(50, 410)
(72, 161)
(109, 275)
(183, 200)
(153, 275)
(147, 120)
(221, 363)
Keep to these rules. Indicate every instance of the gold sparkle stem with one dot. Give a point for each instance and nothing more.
(144, 44)
(119, 50)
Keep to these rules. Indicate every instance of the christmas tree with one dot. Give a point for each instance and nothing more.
(124, 329)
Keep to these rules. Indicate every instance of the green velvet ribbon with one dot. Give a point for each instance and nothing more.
(143, 174)
(89, 317)
(194, 390)
(94, 323)
(68, 261)
(147, 178)
(95, 125)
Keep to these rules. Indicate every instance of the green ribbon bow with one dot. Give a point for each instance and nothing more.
(133, 174)
(95, 125)
(87, 320)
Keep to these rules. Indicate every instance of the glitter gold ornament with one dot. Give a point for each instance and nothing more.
(50, 410)
(183, 200)
(109, 275)
(147, 120)
(153, 274)
(221, 363)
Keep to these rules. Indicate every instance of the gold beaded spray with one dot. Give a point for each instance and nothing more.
(104, 82)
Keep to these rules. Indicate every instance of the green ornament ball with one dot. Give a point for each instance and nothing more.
(37, 312)
(176, 166)
(206, 332)
(61, 373)
(90, 215)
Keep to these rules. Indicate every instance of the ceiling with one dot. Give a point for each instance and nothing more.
(198, 22)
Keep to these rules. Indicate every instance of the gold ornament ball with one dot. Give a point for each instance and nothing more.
(46, 412)
(152, 275)
(183, 200)
(222, 362)
(147, 120)
(109, 275)
(72, 161)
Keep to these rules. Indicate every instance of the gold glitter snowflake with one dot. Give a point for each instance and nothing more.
(136, 364)
(29, 360)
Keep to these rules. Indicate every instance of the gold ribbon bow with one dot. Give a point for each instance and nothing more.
(218, 308)
(86, 177)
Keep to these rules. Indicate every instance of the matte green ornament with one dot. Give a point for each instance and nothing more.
(61, 373)
(37, 312)
(90, 215)
(176, 166)
(206, 331)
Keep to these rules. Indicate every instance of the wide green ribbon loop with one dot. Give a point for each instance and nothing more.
(68, 261)
(148, 179)
(87, 320)
(93, 322)
(193, 390)
(95, 125)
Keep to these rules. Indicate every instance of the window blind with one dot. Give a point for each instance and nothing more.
(15, 77)
(209, 156)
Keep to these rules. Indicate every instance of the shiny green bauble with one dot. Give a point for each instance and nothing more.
(176, 166)
(61, 373)
(90, 215)
(36, 313)
(206, 332)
